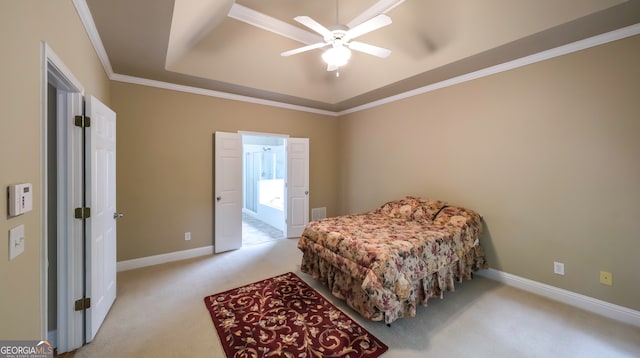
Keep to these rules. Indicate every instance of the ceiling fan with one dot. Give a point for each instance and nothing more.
(340, 38)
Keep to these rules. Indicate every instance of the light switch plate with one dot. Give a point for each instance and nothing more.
(16, 241)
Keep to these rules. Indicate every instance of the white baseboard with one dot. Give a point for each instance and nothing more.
(587, 303)
(164, 258)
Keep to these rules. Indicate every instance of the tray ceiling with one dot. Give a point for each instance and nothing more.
(196, 43)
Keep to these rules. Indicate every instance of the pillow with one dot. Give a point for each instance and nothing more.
(429, 208)
(459, 217)
(402, 208)
(412, 208)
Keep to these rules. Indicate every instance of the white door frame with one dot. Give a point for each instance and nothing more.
(69, 101)
(287, 227)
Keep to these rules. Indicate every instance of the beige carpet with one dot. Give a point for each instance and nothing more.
(159, 313)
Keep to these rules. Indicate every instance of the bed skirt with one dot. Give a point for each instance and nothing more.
(350, 289)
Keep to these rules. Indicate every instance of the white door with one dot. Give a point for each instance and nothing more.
(297, 186)
(100, 172)
(228, 192)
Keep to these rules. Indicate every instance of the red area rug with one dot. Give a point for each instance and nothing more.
(284, 317)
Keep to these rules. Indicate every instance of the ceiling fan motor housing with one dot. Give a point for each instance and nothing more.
(337, 36)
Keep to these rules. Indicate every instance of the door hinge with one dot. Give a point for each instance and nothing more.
(82, 121)
(82, 213)
(83, 304)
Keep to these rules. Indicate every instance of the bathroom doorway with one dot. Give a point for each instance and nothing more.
(263, 175)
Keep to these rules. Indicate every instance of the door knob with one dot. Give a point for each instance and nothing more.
(306, 192)
(218, 198)
(118, 215)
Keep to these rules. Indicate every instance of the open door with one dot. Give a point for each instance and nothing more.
(100, 197)
(85, 174)
(228, 192)
(297, 186)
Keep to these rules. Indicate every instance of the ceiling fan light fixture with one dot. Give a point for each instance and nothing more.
(337, 56)
(340, 39)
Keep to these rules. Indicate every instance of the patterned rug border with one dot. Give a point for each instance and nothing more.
(227, 349)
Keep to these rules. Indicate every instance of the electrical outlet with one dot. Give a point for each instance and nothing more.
(558, 268)
(187, 236)
(606, 278)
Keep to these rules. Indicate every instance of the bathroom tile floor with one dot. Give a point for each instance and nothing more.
(255, 231)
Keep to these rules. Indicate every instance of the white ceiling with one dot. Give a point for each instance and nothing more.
(196, 43)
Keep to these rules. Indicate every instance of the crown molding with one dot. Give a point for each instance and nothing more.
(85, 15)
(89, 25)
(528, 60)
(217, 94)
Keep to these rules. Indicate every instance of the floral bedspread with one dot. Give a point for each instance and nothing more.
(395, 246)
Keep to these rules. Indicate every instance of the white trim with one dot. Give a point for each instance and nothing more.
(70, 269)
(90, 26)
(44, 255)
(55, 71)
(263, 134)
(164, 258)
(64, 77)
(87, 20)
(587, 303)
(528, 60)
(218, 94)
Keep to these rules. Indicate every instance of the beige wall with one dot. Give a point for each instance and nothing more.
(548, 154)
(165, 162)
(23, 26)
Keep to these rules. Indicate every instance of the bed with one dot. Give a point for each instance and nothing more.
(384, 263)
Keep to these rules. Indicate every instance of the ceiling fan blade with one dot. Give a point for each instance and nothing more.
(266, 22)
(375, 23)
(369, 49)
(303, 49)
(381, 7)
(314, 25)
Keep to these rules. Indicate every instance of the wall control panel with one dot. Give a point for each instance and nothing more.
(20, 198)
